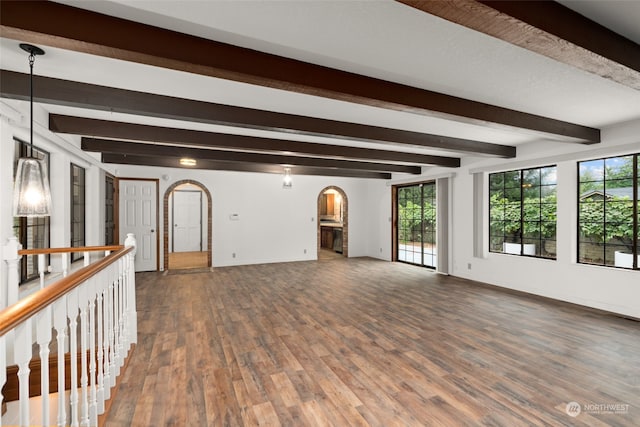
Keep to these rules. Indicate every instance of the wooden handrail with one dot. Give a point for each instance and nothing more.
(69, 250)
(22, 310)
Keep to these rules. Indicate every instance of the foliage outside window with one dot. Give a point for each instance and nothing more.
(78, 192)
(522, 212)
(608, 212)
(32, 232)
(417, 224)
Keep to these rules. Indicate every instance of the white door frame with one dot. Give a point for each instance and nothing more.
(157, 218)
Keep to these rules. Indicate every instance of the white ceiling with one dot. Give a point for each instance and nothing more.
(382, 39)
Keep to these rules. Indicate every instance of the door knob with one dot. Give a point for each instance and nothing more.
(153, 231)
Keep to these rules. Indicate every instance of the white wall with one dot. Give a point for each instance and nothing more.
(275, 224)
(564, 279)
(379, 220)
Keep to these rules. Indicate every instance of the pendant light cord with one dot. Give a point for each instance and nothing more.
(32, 59)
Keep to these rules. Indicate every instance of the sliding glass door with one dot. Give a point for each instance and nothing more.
(417, 224)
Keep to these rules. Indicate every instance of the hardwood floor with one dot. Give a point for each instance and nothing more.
(186, 260)
(357, 342)
(329, 255)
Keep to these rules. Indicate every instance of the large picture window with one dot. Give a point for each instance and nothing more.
(608, 212)
(78, 192)
(522, 212)
(32, 232)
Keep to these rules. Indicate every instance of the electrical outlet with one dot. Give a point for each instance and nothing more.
(468, 266)
(380, 250)
(233, 255)
(305, 251)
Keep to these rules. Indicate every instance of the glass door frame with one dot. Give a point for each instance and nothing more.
(397, 221)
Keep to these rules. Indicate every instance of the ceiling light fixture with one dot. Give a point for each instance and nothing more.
(287, 181)
(31, 192)
(185, 161)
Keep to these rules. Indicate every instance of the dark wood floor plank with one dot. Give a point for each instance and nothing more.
(368, 343)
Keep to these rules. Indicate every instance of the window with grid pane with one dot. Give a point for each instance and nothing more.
(417, 208)
(608, 212)
(522, 212)
(109, 212)
(78, 191)
(32, 232)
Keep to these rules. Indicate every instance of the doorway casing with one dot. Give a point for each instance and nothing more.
(165, 212)
(345, 218)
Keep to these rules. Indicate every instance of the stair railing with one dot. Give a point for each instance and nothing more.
(95, 303)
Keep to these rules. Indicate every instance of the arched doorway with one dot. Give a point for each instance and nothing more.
(186, 185)
(333, 212)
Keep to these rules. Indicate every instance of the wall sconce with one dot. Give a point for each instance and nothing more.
(31, 192)
(185, 161)
(287, 182)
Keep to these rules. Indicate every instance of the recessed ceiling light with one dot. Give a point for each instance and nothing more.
(185, 161)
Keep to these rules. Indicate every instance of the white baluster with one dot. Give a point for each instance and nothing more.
(60, 325)
(86, 258)
(130, 272)
(112, 326)
(22, 354)
(124, 335)
(13, 273)
(43, 332)
(84, 378)
(100, 344)
(3, 369)
(106, 320)
(119, 312)
(42, 268)
(65, 264)
(93, 403)
(72, 313)
(132, 316)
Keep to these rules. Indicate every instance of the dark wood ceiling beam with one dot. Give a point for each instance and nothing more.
(83, 95)
(155, 150)
(136, 132)
(547, 28)
(66, 27)
(174, 162)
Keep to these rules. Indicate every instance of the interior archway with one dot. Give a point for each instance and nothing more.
(345, 218)
(167, 195)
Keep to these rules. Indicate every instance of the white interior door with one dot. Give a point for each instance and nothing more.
(138, 207)
(187, 221)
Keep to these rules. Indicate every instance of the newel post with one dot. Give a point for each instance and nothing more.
(10, 255)
(132, 314)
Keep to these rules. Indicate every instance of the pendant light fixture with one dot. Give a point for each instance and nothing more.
(31, 193)
(287, 181)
